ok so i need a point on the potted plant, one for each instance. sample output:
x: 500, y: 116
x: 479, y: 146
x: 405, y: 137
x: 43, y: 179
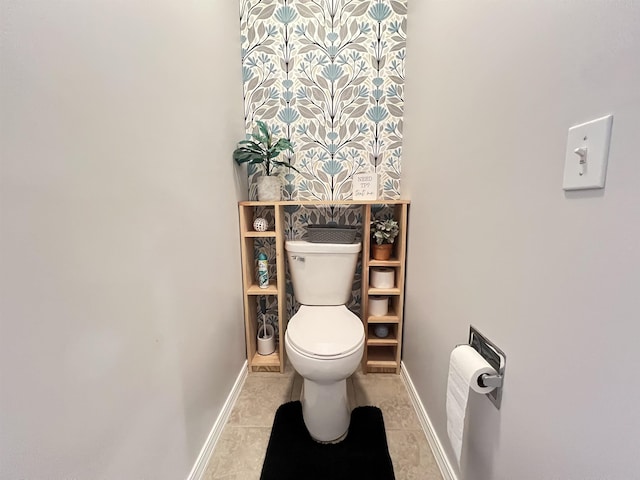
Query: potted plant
x: 383, y: 234
x: 261, y: 148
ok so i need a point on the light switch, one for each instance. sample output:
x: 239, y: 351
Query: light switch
x: 587, y: 154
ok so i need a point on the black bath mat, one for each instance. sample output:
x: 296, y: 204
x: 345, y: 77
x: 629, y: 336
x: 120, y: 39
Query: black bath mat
x: 293, y: 455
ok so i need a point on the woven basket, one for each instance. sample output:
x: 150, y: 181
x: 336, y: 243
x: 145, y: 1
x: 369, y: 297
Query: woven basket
x: 324, y: 233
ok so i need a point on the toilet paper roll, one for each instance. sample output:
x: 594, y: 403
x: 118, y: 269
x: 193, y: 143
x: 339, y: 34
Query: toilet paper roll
x: 466, y: 367
x: 382, y: 277
x: 378, y: 306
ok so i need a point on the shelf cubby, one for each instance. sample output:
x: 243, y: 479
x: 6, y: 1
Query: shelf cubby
x: 389, y: 340
x: 382, y: 359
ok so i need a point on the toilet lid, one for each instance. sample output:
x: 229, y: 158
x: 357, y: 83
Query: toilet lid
x: 325, y: 331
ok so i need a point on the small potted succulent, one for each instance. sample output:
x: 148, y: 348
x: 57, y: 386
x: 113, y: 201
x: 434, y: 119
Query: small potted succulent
x: 261, y: 148
x: 383, y: 234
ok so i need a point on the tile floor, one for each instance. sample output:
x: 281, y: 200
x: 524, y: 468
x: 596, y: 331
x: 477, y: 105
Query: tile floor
x: 240, y: 450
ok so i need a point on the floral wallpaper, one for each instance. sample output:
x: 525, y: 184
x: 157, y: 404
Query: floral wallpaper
x: 329, y: 76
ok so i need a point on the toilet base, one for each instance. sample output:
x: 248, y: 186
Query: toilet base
x: 325, y: 410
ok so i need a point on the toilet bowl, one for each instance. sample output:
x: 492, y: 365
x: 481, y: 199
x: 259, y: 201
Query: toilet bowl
x: 324, y: 340
x: 325, y: 345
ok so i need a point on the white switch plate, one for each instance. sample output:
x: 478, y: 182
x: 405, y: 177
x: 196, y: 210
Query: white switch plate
x: 594, y: 137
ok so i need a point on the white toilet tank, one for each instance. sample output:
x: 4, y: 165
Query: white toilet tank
x: 322, y: 273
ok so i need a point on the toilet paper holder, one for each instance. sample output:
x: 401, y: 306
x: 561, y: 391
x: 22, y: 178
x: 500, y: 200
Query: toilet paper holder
x: 494, y: 357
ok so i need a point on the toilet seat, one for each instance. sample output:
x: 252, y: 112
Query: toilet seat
x: 325, y: 332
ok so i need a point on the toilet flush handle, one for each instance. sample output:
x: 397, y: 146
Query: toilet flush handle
x: 297, y: 258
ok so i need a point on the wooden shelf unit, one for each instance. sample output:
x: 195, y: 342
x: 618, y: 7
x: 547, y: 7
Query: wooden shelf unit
x: 381, y: 354
x: 276, y: 288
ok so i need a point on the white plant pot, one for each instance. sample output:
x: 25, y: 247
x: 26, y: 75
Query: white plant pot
x: 267, y: 344
x: 269, y: 188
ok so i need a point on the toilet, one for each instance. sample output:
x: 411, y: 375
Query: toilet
x: 324, y: 340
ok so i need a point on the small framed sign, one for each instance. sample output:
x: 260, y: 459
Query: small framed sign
x: 365, y: 186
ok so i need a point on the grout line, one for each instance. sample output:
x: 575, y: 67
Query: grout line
x: 248, y: 426
x: 417, y: 429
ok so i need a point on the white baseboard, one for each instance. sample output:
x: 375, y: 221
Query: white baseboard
x: 432, y: 438
x: 199, y: 467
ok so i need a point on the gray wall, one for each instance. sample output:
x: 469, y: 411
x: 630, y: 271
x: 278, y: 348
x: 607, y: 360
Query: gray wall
x: 552, y: 278
x: 121, y: 331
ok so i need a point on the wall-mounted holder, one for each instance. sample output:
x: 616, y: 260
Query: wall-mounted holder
x: 496, y: 358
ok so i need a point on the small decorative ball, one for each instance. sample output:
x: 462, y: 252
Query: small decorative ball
x: 381, y: 331
x: 260, y: 224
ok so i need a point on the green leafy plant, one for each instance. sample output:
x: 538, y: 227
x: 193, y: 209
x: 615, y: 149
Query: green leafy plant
x: 384, y: 231
x: 263, y: 149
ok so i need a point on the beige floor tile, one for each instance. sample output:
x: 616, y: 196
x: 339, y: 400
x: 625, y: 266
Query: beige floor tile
x: 244, y: 475
x: 411, y: 456
x: 388, y: 393
x: 259, y: 399
x: 239, y: 454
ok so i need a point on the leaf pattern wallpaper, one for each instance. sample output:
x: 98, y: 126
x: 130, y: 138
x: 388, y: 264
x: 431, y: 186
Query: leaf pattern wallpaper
x: 329, y: 76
